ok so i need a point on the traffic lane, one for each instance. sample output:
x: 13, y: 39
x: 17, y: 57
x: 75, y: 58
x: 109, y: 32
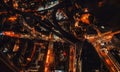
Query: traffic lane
x: 49, y: 57
x: 72, y: 60
x: 42, y: 58
x: 104, y: 56
x: 115, y: 53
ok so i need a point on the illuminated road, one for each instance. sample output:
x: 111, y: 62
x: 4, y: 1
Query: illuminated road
x: 50, y: 56
x: 72, y: 59
x: 24, y: 36
x: 103, y: 52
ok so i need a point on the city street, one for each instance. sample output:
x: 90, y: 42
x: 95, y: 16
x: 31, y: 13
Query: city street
x: 59, y: 36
